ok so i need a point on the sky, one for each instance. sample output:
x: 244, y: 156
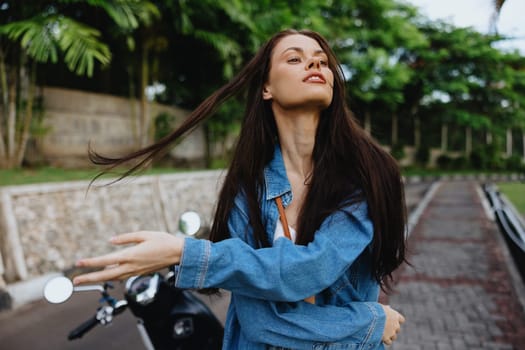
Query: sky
x: 477, y: 14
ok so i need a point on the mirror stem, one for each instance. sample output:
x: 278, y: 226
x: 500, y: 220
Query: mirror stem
x: 88, y: 288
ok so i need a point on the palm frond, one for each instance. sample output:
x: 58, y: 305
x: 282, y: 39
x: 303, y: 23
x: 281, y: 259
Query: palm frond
x: 36, y: 36
x: 81, y: 47
x: 128, y: 14
x: 44, y: 37
x: 225, y: 46
x: 228, y: 49
x: 234, y: 10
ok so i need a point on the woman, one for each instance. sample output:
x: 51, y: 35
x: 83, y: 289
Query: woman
x: 342, y: 197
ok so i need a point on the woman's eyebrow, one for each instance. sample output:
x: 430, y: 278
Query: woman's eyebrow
x: 293, y: 48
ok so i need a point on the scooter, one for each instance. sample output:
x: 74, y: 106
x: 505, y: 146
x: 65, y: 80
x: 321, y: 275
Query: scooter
x: 167, y: 317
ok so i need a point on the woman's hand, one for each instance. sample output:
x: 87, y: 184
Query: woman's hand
x: 152, y: 251
x: 392, y: 324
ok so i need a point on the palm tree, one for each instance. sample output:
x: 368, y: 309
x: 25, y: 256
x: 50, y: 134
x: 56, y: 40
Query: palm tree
x: 41, y: 34
x: 498, y: 4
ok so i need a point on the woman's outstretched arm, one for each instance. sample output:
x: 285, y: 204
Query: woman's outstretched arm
x: 284, y: 272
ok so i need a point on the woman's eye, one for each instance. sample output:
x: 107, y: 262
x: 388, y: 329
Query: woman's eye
x: 294, y: 60
x: 324, y: 63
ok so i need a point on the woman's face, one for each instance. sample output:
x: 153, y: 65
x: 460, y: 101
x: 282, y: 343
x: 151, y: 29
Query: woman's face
x: 299, y: 75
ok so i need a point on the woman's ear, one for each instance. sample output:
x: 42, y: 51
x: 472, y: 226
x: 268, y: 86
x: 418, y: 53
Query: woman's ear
x: 267, y: 95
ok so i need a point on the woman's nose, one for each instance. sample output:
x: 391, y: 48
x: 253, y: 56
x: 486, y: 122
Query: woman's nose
x: 314, y: 62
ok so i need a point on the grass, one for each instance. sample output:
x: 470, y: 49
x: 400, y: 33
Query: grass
x: 51, y: 174
x: 515, y: 192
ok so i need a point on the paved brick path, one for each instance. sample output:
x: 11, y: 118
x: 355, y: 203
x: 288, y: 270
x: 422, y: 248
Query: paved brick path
x: 459, y: 293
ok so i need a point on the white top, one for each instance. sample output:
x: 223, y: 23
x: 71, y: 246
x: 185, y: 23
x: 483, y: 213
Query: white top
x: 279, y: 232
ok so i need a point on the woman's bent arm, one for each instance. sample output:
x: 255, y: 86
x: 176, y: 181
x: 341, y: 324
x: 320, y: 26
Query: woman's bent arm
x: 284, y: 272
x: 291, y: 324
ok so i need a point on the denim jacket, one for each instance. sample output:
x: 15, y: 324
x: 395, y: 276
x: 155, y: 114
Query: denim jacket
x: 268, y: 285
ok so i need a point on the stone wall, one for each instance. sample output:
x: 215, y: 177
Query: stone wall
x: 46, y: 228
x: 74, y: 118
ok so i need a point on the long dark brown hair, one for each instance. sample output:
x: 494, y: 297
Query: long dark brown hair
x: 346, y: 161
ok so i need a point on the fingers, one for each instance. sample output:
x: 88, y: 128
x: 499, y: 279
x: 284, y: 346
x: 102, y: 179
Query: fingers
x: 100, y: 261
x: 127, y: 238
x: 113, y: 258
x: 150, y: 252
x: 102, y: 275
x: 394, y: 320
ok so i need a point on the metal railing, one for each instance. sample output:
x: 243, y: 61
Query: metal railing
x: 510, y: 223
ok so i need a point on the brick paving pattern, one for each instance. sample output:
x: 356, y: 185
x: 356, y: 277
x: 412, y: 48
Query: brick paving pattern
x: 458, y: 293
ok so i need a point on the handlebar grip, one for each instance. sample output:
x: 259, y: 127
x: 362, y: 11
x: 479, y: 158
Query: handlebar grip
x: 83, y: 328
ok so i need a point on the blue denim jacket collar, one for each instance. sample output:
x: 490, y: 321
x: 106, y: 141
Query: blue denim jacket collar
x: 277, y: 183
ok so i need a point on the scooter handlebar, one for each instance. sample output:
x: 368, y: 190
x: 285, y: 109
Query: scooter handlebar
x: 83, y: 328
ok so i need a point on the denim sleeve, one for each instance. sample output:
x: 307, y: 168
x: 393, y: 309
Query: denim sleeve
x: 284, y: 272
x: 358, y: 325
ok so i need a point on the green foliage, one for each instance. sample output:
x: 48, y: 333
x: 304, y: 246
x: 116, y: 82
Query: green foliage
x: 44, y: 32
x: 81, y: 47
x: 487, y: 157
x: 482, y: 158
x: 226, y: 120
x: 515, y: 163
x: 371, y: 42
x: 13, y: 177
x: 422, y: 155
x: 229, y: 50
x: 398, y: 151
x: 127, y: 14
x: 164, y: 124
x: 460, y: 163
x: 224, y: 26
x: 463, y: 80
x: 44, y: 37
x: 394, y: 60
x: 444, y: 162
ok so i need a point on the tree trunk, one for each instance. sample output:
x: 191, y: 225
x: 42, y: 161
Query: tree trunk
x: 509, y: 142
x: 11, y: 122
x: 4, y: 111
x: 208, y: 146
x: 26, y: 126
x: 417, y: 126
x: 368, y: 122
x: 444, y: 137
x: 523, y: 143
x: 144, y: 113
x: 135, y: 122
x: 417, y: 132
x: 395, y: 135
x: 489, y: 137
x: 468, y: 141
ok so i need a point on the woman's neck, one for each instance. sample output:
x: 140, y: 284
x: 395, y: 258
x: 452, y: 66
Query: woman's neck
x: 297, y: 131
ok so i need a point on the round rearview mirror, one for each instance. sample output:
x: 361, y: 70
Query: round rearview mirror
x: 58, y: 290
x: 189, y: 223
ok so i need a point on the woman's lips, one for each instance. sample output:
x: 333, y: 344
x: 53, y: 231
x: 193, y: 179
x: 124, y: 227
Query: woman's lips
x: 315, y: 78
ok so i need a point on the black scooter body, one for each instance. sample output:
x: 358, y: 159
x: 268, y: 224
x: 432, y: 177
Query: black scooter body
x: 188, y: 325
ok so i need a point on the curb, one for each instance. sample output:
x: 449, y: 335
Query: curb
x: 415, y: 215
x: 465, y: 177
x: 30, y: 290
